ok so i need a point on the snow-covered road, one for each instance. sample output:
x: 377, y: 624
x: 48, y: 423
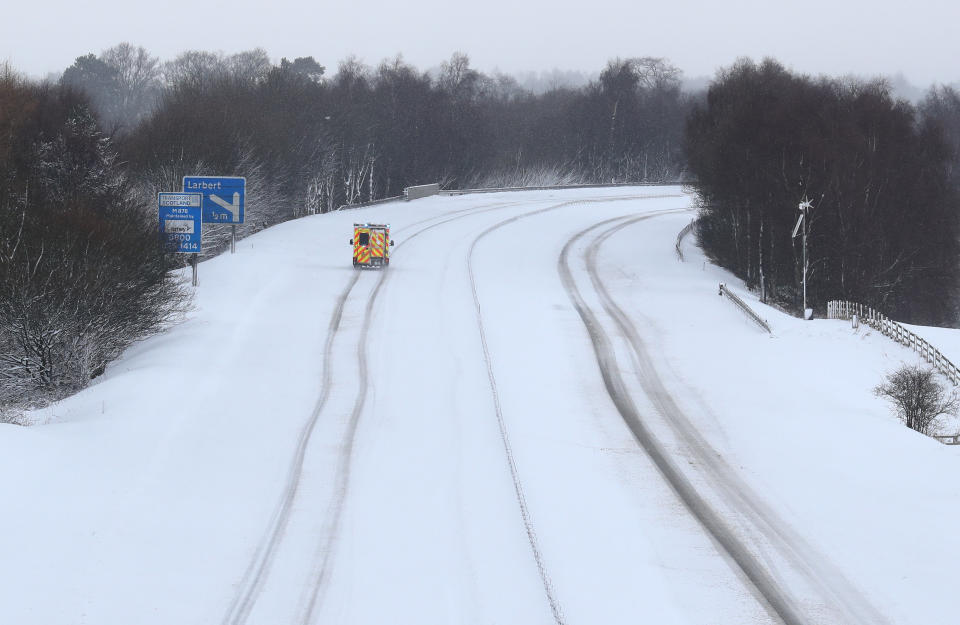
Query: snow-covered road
x: 537, y: 414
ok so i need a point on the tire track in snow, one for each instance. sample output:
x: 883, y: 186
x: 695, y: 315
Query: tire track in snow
x: 319, y: 583
x: 535, y: 549
x: 789, y: 545
x: 251, y: 583
x: 258, y: 570
x: 770, y: 594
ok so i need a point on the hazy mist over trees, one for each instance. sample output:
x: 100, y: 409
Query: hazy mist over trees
x: 82, y: 159
x: 321, y: 141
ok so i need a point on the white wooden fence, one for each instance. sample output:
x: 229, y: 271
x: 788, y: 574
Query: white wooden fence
x: 839, y: 309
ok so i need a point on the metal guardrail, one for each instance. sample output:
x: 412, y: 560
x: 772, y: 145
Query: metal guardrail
x: 724, y: 290
x: 371, y: 203
x: 411, y: 193
x: 841, y: 309
x: 686, y: 230
x: 560, y: 187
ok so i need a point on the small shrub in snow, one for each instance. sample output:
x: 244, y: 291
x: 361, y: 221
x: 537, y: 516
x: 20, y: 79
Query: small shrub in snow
x: 917, y: 396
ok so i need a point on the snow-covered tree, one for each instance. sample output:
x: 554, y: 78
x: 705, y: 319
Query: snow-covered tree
x: 81, y: 269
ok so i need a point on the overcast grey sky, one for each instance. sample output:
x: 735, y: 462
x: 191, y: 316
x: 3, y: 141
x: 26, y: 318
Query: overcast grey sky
x: 921, y: 39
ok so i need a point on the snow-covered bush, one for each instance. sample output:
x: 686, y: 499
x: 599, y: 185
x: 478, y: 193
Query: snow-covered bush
x: 917, y: 397
x: 82, y: 274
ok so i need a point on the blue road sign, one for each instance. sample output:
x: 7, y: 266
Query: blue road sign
x: 223, y: 197
x: 181, y: 225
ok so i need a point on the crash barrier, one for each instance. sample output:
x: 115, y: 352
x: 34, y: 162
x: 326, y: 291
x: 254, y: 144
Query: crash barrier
x: 724, y: 290
x: 559, y: 187
x: 371, y: 203
x: 419, y: 191
x: 840, y: 309
x: 953, y: 439
x: 411, y: 193
x: 686, y: 230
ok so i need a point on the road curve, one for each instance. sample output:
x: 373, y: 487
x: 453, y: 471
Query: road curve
x: 791, y: 550
x: 525, y: 514
x: 698, y: 507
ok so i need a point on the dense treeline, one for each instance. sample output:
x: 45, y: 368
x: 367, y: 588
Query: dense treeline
x: 81, y: 273
x: 365, y: 133
x: 881, y: 177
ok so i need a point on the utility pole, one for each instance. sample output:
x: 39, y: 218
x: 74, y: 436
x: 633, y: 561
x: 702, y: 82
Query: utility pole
x: 804, y: 207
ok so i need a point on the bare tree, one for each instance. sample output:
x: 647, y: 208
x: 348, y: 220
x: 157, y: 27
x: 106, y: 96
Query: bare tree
x: 193, y: 67
x: 917, y: 397
x: 137, y: 76
x: 249, y: 65
x: 458, y: 79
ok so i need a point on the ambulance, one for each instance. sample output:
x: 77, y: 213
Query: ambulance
x: 371, y: 245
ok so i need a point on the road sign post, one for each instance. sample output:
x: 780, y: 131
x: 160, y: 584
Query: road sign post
x: 181, y: 224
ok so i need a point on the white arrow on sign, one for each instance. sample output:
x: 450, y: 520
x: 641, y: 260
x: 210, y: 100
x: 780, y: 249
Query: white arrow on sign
x: 233, y: 208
